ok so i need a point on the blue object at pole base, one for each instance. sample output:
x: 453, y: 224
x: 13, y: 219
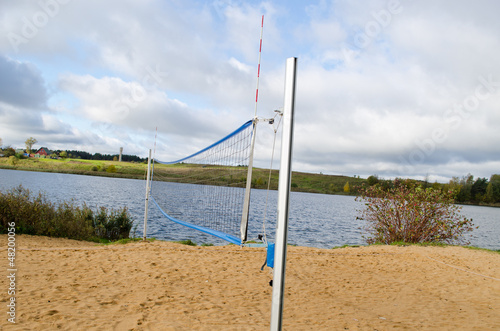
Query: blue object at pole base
x: 270, y: 255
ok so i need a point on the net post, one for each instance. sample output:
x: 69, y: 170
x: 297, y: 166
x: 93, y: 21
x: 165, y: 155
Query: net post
x: 246, y: 201
x: 285, y: 177
x: 147, y: 198
x: 248, y: 188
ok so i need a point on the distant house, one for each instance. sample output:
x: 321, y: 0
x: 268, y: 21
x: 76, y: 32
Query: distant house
x: 43, y: 152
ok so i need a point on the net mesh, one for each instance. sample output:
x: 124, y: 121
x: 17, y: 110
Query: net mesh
x: 206, y: 190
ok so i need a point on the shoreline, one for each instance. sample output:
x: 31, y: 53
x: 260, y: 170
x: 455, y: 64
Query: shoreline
x: 70, y: 284
x: 76, y: 172
x: 142, y: 177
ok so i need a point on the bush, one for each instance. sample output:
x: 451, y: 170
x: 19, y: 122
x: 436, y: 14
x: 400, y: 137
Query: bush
x: 113, y: 226
x: 9, y: 151
x: 111, y: 169
x: 12, y: 160
x: 408, y: 213
x: 35, y: 215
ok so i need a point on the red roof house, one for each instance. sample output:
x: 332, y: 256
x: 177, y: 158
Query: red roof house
x: 43, y: 151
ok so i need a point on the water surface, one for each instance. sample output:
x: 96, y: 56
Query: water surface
x: 315, y: 220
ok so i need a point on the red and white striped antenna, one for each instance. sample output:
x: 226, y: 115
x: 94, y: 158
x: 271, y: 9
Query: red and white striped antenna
x: 258, y: 68
x: 246, y: 203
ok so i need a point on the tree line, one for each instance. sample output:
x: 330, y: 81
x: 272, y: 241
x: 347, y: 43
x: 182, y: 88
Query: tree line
x: 466, y: 189
x: 74, y: 154
x: 479, y: 190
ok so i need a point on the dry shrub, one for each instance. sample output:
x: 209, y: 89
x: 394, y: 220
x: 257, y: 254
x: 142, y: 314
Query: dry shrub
x: 409, y: 213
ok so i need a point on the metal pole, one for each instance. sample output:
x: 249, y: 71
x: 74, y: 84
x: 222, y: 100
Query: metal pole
x: 283, y: 196
x: 147, y: 198
x: 246, y: 202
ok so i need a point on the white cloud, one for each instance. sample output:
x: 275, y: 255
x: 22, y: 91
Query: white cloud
x: 240, y: 66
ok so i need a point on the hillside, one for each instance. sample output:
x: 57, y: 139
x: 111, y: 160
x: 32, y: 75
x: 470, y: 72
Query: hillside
x: 301, y: 182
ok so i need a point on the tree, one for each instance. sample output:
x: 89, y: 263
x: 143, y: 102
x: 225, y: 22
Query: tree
x: 63, y: 154
x: 465, y: 193
x: 478, y: 189
x: 488, y: 197
x: 454, y: 184
x: 495, y: 187
x: 9, y: 151
x: 29, y: 143
x: 1, y: 142
x: 409, y: 213
x: 372, y: 180
x: 437, y: 186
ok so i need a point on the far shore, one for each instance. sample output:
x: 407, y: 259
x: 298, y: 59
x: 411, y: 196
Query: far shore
x: 301, y: 182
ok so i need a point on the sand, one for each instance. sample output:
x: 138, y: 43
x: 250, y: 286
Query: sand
x: 70, y: 285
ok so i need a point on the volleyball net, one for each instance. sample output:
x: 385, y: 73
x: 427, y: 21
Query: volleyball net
x: 207, y: 191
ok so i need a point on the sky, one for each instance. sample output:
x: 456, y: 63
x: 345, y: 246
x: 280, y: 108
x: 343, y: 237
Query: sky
x: 396, y: 88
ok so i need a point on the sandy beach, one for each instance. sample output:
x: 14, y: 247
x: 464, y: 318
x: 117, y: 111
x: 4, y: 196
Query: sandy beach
x: 70, y: 285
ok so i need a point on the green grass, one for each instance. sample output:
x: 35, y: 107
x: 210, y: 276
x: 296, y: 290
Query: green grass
x: 346, y: 246
x: 435, y: 244
x: 423, y: 244
x: 483, y: 249
x: 79, y: 167
x: 404, y: 244
x: 427, y: 244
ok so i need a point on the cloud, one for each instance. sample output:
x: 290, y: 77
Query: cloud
x: 116, y: 107
x: 21, y: 84
x: 130, y: 104
x: 386, y: 87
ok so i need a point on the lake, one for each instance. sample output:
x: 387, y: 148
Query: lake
x: 315, y: 220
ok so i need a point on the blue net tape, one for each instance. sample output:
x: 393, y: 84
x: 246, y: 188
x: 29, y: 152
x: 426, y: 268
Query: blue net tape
x: 241, y: 128
x: 219, y: 234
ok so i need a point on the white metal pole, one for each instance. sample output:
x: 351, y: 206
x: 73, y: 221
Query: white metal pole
x: 147, y: 198
x: 284, y: 184
x: 246, y: 202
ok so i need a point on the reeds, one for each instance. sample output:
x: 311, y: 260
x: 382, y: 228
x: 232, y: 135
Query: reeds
x: 36, y: 215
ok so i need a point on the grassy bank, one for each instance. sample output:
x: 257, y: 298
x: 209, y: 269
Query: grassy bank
x: 301, y: 182
x: 77, y: 166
